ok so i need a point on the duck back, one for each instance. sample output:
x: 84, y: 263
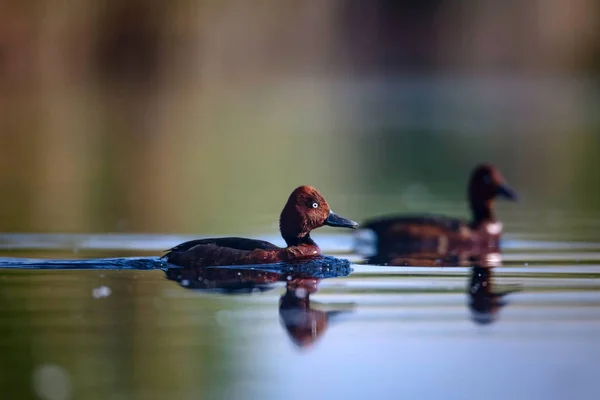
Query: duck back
x: 424, y: 236
x: 222, y: 251
x: 409, y: 234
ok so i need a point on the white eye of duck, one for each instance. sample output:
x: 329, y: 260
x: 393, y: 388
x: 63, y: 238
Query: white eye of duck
x: 315, y: 205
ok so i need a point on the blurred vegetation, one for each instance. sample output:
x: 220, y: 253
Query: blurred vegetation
x: 202, y: 116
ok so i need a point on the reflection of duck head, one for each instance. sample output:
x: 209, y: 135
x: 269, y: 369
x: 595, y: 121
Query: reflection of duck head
x: 303, y: 323
x: 484, y: 303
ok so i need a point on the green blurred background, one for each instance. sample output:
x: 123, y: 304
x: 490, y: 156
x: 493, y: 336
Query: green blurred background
x: 201, y: 116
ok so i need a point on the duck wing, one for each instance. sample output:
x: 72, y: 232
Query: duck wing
x: 424, y: 225
x: 221, y: 251
x: 419, y: 236
x: 236, y: 243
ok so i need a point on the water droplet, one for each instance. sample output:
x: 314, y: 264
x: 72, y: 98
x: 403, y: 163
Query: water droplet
x: 52, y: 382
x: 185, y: 282
x: 100, y: 292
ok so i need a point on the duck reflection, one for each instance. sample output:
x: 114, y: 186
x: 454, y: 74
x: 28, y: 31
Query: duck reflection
x: 227, y: 280
x: 489, y: 257
x: 303, y: 320
x: 485, y: 303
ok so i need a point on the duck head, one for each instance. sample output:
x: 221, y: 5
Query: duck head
x: 485, y: 185
x: 305, y: 210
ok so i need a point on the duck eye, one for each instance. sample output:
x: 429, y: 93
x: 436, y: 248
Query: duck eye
x: 487, y: 180
x: 315, y: 205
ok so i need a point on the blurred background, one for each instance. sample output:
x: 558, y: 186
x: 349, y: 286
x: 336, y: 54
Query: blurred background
x: 199, y: 116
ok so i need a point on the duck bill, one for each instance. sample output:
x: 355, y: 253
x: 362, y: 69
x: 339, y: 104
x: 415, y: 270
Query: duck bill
x: 506, y: 192
x: 335, y: 220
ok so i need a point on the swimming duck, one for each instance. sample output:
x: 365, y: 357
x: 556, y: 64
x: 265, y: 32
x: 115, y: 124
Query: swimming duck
x: 444, y: 236
x: 305, y: 210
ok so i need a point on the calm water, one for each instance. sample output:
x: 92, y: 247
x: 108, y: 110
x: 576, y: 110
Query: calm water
x: 350, y: 331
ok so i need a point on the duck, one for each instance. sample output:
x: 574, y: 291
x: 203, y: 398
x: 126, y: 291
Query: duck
x: 305, y: 210
x: 437, y: 235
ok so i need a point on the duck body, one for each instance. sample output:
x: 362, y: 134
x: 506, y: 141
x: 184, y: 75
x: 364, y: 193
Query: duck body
x: 429, y: 234
x: 305, y: 210
x: 436, y: 236
x: 235, y: 251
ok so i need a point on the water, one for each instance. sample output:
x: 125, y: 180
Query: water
x: 136, y: 330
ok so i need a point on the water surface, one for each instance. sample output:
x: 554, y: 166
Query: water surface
x: 133, y: 331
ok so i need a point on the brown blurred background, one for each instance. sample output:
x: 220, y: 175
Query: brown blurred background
x: 202, y: 116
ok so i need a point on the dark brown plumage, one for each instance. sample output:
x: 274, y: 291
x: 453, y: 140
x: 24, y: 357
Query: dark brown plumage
x: 439, y: 235
x: 305, y: 210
